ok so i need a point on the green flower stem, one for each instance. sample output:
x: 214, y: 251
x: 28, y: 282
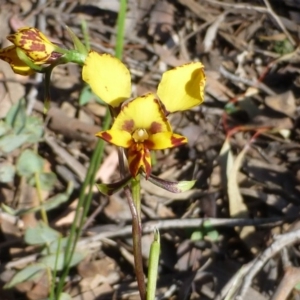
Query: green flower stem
x: 153, y: 266
x: 83, y: 206
x: 121, y: 29
x: 52, y: 286
x: 137, y: 238
x: 136, y: 194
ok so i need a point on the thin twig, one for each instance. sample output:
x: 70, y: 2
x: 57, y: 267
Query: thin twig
x: 277, y: 19
x: 280, y: 242
x: 161, y: 225
x: 253, y: 83
x: 290, y: 279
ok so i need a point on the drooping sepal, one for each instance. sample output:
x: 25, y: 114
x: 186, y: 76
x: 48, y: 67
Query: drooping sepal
x: 171, y: 186
x: 111, y: 188
x: 78, y: 45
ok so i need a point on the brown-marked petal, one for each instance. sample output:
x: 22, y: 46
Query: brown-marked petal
x: 164, y: 140
x: 116, y: 137
x: 142, y: 113
x: 34, y: 43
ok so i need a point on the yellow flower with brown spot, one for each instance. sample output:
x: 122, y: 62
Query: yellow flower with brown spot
x: 36, y: 47
x: 142, y: 125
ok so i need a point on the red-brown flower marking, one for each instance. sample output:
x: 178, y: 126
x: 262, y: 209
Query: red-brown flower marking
x: 139, y: 157
x: 177, y: 141
x: 155, y: 127
x: 106, y: 136
x: 128, y: 125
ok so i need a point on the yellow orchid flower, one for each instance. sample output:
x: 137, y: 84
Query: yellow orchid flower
x: 141, y: 125
x: 34, y: 44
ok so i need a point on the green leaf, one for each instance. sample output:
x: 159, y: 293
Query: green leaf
x: 34, y: 129
x: 8, y: 209
x: 52, y: 259
x: 230, y: 108
x: 85, y: 96
x: 56, y: 201
x: 213, y: 235
x: 210, y: 231
x: 4, y: 128
x: 51, y: 203
x: 47, y: 180
x: 53, y: 247
x: 29, y: 163
x: 197, y: 235
x: 41, y: 234
x: 297, y: 286
x: 16, y: 116
x: 10, y: 142
x: 28, y: 273
x: 17, y: 119
x: 7, y: 172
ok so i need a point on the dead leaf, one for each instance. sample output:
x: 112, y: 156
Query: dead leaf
x: 284, y: 103
x: 212, y: 32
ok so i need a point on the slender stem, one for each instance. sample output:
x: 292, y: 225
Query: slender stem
x: 52, y: 287
x: 121, y: 28
x: 136, y: 194
x: 137, y: 245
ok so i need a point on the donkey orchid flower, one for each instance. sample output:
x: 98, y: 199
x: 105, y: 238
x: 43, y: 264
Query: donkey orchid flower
x: 34, y: 44
x: 142, y: 125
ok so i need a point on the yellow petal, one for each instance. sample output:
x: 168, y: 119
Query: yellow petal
x: 34, y: 43
x: 164, y: 140
x: 116, y: 137
x: 9, y: 55
x: 139, y: 157
x: 183, y: 87
x: 142, y: 113
x: 108, y: 77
